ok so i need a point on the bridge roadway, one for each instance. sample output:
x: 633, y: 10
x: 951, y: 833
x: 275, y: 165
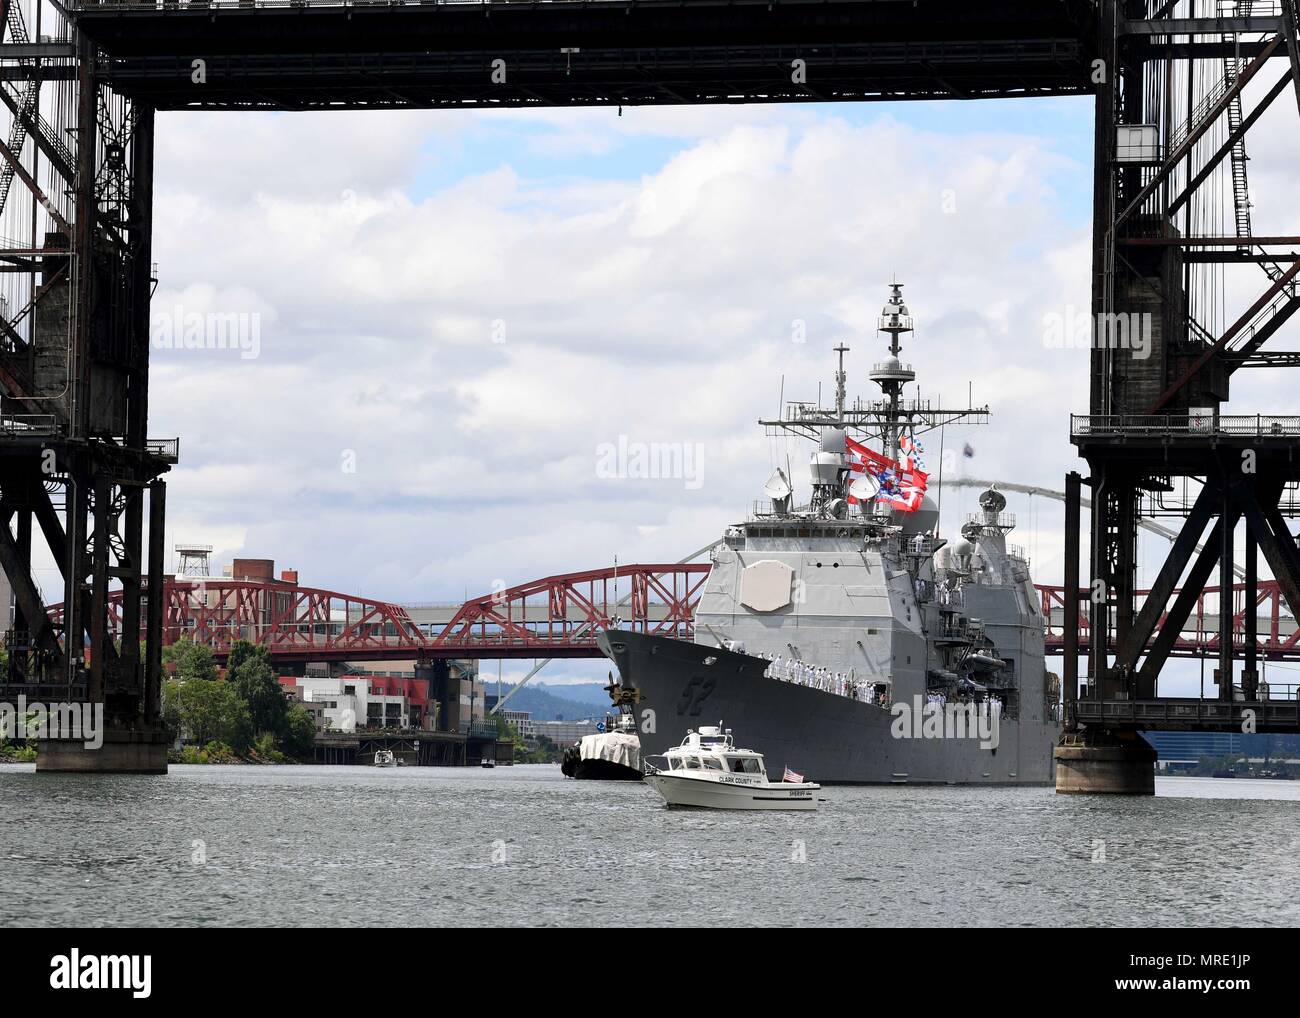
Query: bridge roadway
x: 344, y: 53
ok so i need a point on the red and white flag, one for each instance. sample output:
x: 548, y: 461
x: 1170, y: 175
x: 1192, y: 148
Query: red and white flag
x: 792, y: 776
x: 908, y: 493
x: 865, y: 459
x: 903, y: 484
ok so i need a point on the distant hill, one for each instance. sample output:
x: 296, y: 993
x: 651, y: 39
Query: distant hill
x: 583, y: 692
x: 549, y: 703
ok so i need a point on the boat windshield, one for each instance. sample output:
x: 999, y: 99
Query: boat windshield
x: 744, y: 764
x: 712, y: 763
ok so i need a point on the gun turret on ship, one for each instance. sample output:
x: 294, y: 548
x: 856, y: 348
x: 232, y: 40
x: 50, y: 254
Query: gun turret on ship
x: 843, y: 635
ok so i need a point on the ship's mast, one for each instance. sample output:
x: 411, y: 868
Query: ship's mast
x: 883, y: 419
x: 892, y: 374
x: 840, y: 378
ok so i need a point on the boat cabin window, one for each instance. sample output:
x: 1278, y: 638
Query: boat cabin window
x: 674, y: 763
x: 692, y: 763
x: 712, y: 764
x: 744, y: 764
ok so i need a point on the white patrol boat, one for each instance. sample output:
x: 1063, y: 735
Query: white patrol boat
x: 708, y: 771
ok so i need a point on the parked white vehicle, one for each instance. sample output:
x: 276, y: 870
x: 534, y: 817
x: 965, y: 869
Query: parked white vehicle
x: 708, y: 771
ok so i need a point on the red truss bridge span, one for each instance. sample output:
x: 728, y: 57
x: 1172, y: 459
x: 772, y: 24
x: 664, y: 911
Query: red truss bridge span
x: 557, y: 616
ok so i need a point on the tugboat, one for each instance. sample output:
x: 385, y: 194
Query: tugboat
x: 841, y: 632
x: 707, y: 771
x: 611, y: 755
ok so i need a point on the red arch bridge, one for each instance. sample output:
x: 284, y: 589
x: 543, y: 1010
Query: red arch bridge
x: 559, y: 616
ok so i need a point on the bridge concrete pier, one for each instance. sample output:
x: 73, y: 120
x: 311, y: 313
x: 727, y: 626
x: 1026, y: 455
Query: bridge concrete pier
x: 124, y: 751
x: 1104, y: 763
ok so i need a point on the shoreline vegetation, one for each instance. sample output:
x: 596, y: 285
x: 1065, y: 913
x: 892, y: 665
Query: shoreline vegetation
x: 13, y: 752
x: 544, y: 751
x: 241, y: 717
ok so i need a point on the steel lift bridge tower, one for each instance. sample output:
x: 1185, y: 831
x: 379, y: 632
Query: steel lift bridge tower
x: 81, y: 82
x: 1178, y: 254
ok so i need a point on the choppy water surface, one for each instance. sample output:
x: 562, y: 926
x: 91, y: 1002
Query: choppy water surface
x: 430, y: 846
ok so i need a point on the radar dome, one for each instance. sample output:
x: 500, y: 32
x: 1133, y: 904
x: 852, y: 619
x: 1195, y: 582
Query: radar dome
x: 824, y: 468
x: 993, y: 501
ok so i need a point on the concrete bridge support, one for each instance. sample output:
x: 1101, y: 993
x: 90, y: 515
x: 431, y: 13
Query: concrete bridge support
x: 123, y: 752
x: 1104, y: 763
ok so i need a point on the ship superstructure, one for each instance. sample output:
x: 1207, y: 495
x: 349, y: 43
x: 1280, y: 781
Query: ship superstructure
x: 834, y: 630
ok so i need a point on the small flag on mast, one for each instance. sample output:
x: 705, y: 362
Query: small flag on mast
x: 792, y: 776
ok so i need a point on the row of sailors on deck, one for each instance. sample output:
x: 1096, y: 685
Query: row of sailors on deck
x: 819, y: 677
x: 938, y: 701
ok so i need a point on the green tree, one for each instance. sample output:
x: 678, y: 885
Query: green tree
x: 171, y: 705
x: 212, y: 711
x: 299, y: 732
x: 241, y: 651
x: 254, y: 680
x: 192, y: 660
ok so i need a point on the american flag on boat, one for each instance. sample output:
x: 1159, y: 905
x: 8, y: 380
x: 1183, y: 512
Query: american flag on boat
x: 790, y: 775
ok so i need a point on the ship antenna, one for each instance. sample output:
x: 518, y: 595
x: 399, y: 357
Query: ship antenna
x: 840, y: 378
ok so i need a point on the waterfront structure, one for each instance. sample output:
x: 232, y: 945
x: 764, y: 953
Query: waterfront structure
x: 522, y: 721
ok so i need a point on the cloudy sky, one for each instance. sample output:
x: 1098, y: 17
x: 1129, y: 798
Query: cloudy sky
x: 455, y: 311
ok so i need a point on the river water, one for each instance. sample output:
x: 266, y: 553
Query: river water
x: 358, y: 846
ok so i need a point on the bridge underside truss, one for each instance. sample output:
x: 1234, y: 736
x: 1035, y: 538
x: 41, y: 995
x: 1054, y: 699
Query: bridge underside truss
x: 409, y: 54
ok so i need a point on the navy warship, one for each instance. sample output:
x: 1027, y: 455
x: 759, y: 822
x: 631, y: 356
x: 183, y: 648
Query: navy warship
x: 842, y: 636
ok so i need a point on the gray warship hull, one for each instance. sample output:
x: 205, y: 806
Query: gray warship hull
x: 823, y: 736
